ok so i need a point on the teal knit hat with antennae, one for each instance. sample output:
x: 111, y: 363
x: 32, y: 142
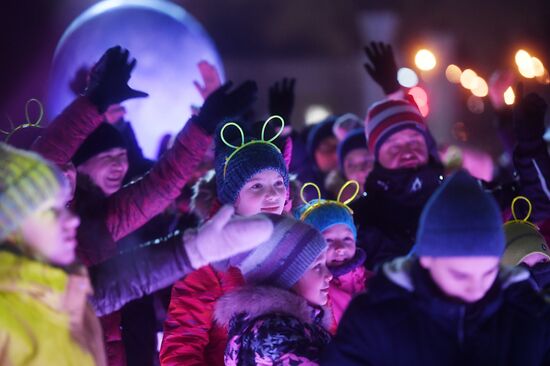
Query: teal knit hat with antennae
x: 237, y: 162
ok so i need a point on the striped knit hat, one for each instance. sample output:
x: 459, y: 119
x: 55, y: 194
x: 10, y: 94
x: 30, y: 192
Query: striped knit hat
x: 285, y: 257
x: 390, y: 116
x: 26, y: 182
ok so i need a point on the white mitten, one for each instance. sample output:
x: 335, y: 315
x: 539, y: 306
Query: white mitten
x: 224, y: 236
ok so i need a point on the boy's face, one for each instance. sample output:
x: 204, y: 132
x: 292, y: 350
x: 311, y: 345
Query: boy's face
x: 326, y: 156
x: 404, y: 149
x: 341, y: 244
x: 314, y: 284
x: 466, y: 278
x: 263, y: 192
x: 51, y: 231
x: 107, y: 169
x: 358, y: 164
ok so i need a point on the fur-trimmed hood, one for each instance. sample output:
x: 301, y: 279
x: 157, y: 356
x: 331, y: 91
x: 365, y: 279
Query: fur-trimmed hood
x: 261, y: 300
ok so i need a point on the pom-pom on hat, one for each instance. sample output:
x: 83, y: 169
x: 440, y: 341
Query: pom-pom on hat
x: 236, y: 164
x: 460, y: 220
x: 27, y: 181
x: 389, y: 116
x: 283, y: 259
x: 323, y: 214
x: 522, y: 238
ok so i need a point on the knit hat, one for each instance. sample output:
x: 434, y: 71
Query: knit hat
x: 238, y: 160
x: 354, y: 140
x: 318, y: 133
x: 522, y: 238
x: 104, y: 138
x: 283, y: 259
x: 323, y: 214
x: 460, y: 220
x: 26, y: 182
x: 390, y: 116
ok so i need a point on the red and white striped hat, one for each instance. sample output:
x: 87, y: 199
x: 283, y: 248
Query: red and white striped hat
x: 390, y: 116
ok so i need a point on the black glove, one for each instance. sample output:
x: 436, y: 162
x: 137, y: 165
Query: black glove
x: 109, y: 77
x: 382, y: 67
x: 223, y: 104
x: 529, y: 116
x: 281, y: 98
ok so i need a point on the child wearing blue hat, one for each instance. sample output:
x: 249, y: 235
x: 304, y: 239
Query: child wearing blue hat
x: 345, y: 261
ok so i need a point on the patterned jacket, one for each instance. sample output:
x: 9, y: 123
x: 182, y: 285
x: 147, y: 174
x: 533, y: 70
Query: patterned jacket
x: 272, y: 326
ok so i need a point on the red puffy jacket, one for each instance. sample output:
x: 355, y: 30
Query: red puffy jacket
x: 190, y: 335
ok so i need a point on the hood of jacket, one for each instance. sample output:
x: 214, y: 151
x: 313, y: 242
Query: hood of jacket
x: 256, y: 301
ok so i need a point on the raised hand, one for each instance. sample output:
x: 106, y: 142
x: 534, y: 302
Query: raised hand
x: 108, y: 82
x: 210, y: 79
x: 281, y: 98
x: 382, y: 67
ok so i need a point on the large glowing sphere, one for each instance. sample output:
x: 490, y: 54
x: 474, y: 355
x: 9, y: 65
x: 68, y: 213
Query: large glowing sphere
x: 167, y: 42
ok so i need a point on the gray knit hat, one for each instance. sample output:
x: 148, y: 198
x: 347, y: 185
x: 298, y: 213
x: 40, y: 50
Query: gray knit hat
x: 285, y: 257
x: 26, y: 182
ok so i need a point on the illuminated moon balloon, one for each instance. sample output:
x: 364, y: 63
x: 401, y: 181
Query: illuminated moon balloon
x: 167, y: 42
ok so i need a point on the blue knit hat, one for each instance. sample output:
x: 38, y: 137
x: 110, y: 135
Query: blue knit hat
x: 323, y: 214
x: 237, y: 161
x: 460, y: 220
x: 318, y: 133
x: 283, y: 259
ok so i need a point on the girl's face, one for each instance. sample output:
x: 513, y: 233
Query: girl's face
x: 341, y: 244
x: 263, y: 192
x: 313, y: 286
x: 50, y: 232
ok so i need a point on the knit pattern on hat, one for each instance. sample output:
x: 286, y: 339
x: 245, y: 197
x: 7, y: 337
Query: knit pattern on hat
x: 26, y: 182
x: 460, y: 220
x: 390, y: 116
x: 325, y: 214
x: 232, y: 174
x: 104, y: 138
x: 283, y: 259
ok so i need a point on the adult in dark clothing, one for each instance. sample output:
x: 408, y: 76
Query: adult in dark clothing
x: 453, y: 304
x: 407, y: 168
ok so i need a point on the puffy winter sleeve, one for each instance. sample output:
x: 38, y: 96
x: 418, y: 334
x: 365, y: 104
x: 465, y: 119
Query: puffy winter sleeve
x: 135, y: 204
x: 137, y: 273
x: 65, y: 134
x: 189, y: 319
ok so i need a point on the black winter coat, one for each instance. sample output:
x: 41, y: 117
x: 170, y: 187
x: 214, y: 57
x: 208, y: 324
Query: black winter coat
x: 404, y: 319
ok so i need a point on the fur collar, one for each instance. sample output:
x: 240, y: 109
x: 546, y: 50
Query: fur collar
x: 261, y: 300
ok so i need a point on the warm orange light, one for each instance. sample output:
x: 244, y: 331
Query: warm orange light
x: 509, y: 96
x: 468, y: 79
x: 425, y: 60
x: 538, y: 67
x: 453, y: 73
x: 481, y: 89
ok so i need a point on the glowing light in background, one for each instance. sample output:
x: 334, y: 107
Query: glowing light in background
x: 316, y: 113
x: 407, y: 77
x: 509, y: 96
x: 469, y: 79
x: 544, y: 78
x: 453, y: 73
x: 481, y: 89
x: 421, y: 99
x: 538, y: 67
x: 425, y: 60
x: 528, y: 66
x: 167, y: 42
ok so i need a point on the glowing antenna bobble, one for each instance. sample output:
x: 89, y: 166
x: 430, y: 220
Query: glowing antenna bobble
x: 529, y: 210
x: 243, y: 144
x: 321, y: 202
x: 29, y: 123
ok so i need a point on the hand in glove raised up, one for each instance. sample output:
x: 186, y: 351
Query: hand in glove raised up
x: 108, y: 82
x: 529, y: 114
x: 281, y: 98
x: 223, y: 104
x: 382, y: 67
x: 224, y: 236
